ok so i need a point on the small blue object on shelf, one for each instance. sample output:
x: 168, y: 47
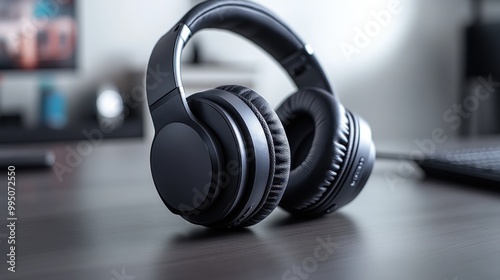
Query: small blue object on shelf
x: 54, y: 113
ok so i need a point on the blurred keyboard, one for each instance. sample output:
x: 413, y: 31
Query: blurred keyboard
x: 471, y: 165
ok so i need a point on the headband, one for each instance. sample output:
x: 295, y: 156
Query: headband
x: 242, y: 17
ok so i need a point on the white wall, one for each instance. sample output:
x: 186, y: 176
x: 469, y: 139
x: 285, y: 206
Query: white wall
x: 114, y: 34
x: 402, y: 82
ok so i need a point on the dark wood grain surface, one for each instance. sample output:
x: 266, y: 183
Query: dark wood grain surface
x: 105, y: 221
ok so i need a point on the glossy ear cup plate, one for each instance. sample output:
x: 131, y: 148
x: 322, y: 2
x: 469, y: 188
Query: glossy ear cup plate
x: 278, y: 149
x: 318, y: 131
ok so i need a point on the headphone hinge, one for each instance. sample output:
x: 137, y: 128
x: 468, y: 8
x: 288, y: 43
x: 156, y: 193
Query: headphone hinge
x: 298, y: 63
x: 305, y: 70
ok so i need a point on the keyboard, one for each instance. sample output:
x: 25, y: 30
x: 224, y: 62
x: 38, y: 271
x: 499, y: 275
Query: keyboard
x: 479, y: 166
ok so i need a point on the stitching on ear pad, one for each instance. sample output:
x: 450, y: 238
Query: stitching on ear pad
x: 318, y: 132
x: 278, y: 146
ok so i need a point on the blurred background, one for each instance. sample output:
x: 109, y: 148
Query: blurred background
x: 72, y: 73
x: 70, y: 66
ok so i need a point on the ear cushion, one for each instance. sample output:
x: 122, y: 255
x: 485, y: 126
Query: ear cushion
x: 317, y: 128
x: 278, y: 149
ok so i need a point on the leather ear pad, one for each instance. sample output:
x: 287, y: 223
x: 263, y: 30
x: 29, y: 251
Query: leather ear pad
x: 278, y: 149
x: 317, y: 128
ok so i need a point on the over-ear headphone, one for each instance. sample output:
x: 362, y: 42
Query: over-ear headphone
x: 224, y: 158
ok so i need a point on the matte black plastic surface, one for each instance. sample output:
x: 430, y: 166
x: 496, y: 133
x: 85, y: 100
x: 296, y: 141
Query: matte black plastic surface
x: 182, y: 169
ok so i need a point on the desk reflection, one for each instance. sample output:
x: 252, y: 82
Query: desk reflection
x: 268, y: 251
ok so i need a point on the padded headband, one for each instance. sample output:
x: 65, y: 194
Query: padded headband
x: 242, y: 17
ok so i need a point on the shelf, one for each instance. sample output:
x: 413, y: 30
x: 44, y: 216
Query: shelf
x: 15, y: 135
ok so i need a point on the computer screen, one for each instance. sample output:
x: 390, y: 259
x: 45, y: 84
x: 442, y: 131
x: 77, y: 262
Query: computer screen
x: 38, y: 34
x: 482, y: 50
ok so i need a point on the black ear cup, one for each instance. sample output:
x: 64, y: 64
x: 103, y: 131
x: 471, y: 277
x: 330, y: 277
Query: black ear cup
x: 319, y: 134
x: 278, y: 149
x: 254, y: 159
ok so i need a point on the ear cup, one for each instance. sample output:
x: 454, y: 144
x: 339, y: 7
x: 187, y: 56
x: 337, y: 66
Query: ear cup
x: 318, y: 131
x: 278, y: 148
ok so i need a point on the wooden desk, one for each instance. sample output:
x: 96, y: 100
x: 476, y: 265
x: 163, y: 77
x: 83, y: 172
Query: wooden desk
x: 105, y: 221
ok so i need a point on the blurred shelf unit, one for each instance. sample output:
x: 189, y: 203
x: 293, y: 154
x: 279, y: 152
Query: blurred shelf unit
x: 78, y: 113
x: 13, y: 135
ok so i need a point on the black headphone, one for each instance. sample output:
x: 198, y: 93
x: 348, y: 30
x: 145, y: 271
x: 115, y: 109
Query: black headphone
x: 223, y: 158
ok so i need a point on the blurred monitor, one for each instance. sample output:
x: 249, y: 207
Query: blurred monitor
x: 482, y: 59
x: 483, y: 50
x: 38, y: 34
